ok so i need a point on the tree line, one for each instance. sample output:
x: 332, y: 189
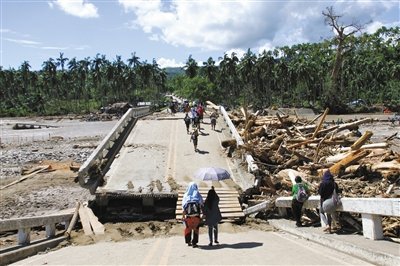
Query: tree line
x: 303, y: 75
x: 330, y: 73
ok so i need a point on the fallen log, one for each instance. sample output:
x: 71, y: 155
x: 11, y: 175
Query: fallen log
x: 320, y: 123
x: 284, y: 125
x: 228, y: 143
x: 392, y: 165
x: 364, y: 138
x: 381, y: 145
x: 351, y: 158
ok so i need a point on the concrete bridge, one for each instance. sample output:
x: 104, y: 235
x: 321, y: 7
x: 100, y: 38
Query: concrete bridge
x: 140, y: 168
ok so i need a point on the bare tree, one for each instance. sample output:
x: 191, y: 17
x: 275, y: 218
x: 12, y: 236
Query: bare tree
x: 342, y: 33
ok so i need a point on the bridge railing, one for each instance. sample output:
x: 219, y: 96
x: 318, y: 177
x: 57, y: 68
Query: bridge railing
x: 98, y: 156
x: 251, y: 165
x: 24, y: 225
x: 371, y: 210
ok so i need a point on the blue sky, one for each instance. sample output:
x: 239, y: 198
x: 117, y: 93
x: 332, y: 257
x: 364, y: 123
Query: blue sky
x: 169, y: 31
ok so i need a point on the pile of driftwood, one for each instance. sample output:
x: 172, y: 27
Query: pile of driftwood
x: 280, y: 142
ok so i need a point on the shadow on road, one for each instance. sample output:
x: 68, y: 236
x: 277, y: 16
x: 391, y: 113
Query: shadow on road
x: 202, y: 152
x: 242, y: 245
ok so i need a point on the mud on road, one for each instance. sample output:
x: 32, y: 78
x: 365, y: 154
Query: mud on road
x: 71, y: 143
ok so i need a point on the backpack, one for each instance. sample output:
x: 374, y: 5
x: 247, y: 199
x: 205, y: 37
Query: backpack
x: 301, y: 195
x: 192, y: 209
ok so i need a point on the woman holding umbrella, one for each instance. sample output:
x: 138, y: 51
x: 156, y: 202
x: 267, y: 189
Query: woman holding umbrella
x: 192, y: 203
x: 212, y: 214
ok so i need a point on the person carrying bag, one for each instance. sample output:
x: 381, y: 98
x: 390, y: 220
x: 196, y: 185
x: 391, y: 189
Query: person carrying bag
x: 330, y: 200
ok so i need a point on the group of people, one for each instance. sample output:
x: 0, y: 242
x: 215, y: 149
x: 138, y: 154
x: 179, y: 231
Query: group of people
x: 328, y: 190
x: 195, y: 209
x: 193, y: 117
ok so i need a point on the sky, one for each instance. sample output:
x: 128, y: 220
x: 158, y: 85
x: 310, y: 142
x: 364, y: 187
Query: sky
x: 169, y: 31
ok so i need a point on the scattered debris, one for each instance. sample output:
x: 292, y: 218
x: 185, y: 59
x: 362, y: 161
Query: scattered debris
x: 38, y: 170
x: 282, y: 142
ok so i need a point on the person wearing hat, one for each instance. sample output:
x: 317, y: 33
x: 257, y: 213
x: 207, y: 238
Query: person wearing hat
x: 300, y: 194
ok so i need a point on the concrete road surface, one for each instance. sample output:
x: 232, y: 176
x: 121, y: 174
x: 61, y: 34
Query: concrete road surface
x: 245, y: 248
x: 157, y: 149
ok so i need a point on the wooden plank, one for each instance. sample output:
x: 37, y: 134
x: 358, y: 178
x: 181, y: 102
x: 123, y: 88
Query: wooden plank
x: 85, y: 221
x: 98, y: 228
x: 224, y: 215
x: 223, y: 210
x: 26, y: 177
x: 229, y: 205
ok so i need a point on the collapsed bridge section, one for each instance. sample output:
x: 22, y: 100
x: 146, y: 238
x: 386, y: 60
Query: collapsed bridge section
x: 152, y: 164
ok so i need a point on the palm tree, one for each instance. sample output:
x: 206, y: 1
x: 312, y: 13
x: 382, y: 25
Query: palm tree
x: 61, y: 61
x: 210, y: 69
x: 191, y: 67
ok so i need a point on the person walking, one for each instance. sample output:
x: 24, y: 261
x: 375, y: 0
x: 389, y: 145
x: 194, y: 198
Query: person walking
x: 194, y: 137
x: 212, y: 215
x: 326, y: 189
x: 192, y: 203
x: 187, y: 122
x: 213, y: 118
x: 300, y: 195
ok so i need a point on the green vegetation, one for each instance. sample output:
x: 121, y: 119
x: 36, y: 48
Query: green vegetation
x: 330, y: 74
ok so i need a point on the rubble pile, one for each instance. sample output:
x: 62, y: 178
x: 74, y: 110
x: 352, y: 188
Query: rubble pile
x: 309, y: 147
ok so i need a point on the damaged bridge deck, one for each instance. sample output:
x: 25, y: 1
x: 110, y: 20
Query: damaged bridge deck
x: 157, y: 161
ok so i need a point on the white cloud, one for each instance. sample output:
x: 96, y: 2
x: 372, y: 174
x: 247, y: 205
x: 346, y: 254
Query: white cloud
x: 54, y: 48
x: 224, y: 25
x: 165, y: 62
x: 21, y: 41
x: 78, y: 8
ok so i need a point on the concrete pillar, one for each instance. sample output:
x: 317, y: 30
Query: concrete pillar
x: 372, y: 226
x: 24, y: 236
x: 282, y: 212
x: 50, y: 230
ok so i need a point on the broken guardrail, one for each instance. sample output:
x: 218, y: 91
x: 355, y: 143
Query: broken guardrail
x: 251, y: 165
x: 91, y: 173
x: 24, y: 225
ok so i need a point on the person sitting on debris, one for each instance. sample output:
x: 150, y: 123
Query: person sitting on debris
x: 192, y: 203
x: 326, y: 190
x: 212, y: 215
x: 300, y: 195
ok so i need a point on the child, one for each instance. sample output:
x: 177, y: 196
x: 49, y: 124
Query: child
x: 194, y: 137
x: 213, y: 118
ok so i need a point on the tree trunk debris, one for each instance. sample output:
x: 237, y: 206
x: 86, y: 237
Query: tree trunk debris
x: 282, y: 145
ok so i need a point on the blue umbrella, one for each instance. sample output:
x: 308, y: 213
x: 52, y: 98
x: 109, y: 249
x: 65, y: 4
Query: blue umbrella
x: 212, y: 174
